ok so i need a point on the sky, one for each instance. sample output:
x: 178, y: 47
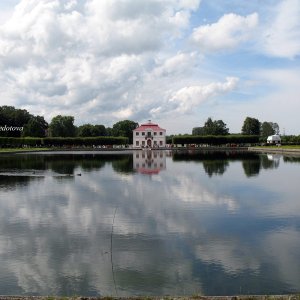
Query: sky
x: 175, y: 62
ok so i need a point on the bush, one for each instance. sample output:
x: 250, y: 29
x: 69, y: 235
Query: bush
x: 216, y: 139
x: 61, y: 141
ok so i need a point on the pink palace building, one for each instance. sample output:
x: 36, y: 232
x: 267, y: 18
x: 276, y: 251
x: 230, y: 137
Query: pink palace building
x: 149, y: 135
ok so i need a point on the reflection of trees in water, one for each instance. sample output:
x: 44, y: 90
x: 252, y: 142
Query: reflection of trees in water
x: 215, y: 167
x: 123, y: 164
x: 202, y: 155
x: 252, y: 167
x: 22, y: 162
x: 216, y: 162
x: 291, y: 159
x: 64, y: 164
x: 12, y: 182
x: 269, y: 161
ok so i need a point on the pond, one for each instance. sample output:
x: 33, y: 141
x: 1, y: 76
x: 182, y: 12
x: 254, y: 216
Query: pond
x: 149, y: 223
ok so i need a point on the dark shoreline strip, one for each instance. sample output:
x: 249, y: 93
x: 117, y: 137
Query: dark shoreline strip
x: 240, y: 297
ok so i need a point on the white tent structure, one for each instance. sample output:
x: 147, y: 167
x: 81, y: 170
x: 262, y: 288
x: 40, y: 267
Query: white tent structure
x: 274, y: 139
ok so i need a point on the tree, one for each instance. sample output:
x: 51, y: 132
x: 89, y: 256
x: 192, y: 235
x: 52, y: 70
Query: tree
x: 220, y: 128
x: 198, y: 131
x: 36, y: 127
x: 88, y: 130
x: 11, y: 116
x: 109, y: 131
x: 275, y: 127
x: 211, y: 128
x: 62, y: 126
x: 124, y: 128
x: 269, y: 128
x: 99, y: 130
x: 266, y: 129
x: 251, y: 126
x: 85, y: 130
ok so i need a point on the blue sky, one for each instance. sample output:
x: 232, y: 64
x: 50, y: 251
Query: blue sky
x: 176, y: 62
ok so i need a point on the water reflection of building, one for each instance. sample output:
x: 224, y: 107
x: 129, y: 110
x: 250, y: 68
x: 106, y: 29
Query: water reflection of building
x: 149, y: 161
x: 275, y: 159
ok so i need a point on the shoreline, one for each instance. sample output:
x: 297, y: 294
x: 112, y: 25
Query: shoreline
x: 195, y: 297
x: 105, y: 150
x: 279, y: 150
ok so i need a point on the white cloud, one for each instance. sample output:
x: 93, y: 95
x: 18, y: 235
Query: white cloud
x: 93, y: 59
x: 281, y: 37
x: 227, y: 33
x: 188, y: 98
x: 178, y: 63
x: 104, y: 60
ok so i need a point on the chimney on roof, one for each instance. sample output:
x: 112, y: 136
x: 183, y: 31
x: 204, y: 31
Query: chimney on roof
x: 149, y: 121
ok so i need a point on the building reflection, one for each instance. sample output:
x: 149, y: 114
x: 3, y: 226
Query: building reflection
x: 149, y: 161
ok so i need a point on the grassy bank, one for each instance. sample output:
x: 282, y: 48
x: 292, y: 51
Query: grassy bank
x: 14, y: 150
x: 285, y: 148
x: 292, y: 150
x: 246, y: 297
x: 280, y: 147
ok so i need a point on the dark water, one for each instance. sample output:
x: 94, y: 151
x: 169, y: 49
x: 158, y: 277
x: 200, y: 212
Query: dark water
x: 149, y: 223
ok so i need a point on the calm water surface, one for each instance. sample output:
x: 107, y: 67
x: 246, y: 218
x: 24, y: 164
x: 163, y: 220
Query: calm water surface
x: 149, y: 223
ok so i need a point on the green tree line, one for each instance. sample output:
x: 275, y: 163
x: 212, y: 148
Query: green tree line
x: 63, y: 126
x: 216, y: 139
x: 20, y: 123
x: 61, y: 141
x: 251, y: 126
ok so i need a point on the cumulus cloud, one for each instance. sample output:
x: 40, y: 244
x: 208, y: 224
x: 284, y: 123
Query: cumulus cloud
x: 175, y: 64
x: 227, y: 33
x: 108, y: 60
x: 188, y: 98
x: 91, y: 59
x: 281, y: 37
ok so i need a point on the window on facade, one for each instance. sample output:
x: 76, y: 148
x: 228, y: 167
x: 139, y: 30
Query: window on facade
x: 155, y: 133
x: 148, y: 133
x: 137, y: 133
x: 143, y: 133
x: 143, y: 143
x: 137, y: 143
x: 160, y: 143
x: 160, y: 133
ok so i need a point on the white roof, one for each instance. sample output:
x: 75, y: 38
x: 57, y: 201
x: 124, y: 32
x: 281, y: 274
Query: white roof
x: 274, y: 137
